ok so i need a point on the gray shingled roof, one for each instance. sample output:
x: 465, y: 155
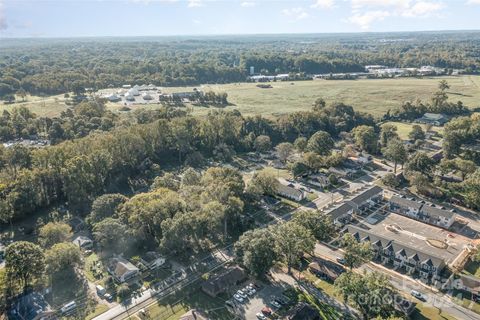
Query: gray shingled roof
x: 281, y: 188
x: 404, y: 202
x: 366, y: 195
x: 340, y: 211
x: 437, y: 212
x: 396, y: 247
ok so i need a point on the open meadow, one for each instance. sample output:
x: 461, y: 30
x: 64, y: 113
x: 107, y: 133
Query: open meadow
x: 375, y: 96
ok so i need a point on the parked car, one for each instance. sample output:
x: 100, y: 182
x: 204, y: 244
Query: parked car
x: 238, y: 298
x: 340, y: 260
x: 242, y: 294
x: 275, y: 304
x: 279, y: 301
x: 250, y: 291
x: 108, y: 297
x: 417, y: 295
x: 100, y: 290
x: 260, y: 316
x: 266, y: 311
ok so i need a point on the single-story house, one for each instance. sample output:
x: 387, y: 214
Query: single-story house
x: 326, y: 269
x: 436, y: 119
x: 152, y: 260
x: 83, y: 242
x: 31, y: 306
x: 290, y: 192
x: 221, y: 282
x: 342, y: 172
x: 319, y: 180
x: 122, y: 270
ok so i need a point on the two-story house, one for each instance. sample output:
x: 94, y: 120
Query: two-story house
x: 399, y: 256
x: 422, y: 212
x: 366, y: 199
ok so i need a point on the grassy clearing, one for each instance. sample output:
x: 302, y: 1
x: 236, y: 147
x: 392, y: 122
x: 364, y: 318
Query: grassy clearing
x: 92, y: 271
x: 174, y: 306
x: 423, y: 312
x: 99, y: 309
x: 42, y: 106
x: 374, y: 96
x: 403, y: 129
x: 327, y: 287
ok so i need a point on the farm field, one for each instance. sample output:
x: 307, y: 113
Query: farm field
x: 374, y: 96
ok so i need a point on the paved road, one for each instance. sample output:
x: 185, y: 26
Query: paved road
x: 406, y: 284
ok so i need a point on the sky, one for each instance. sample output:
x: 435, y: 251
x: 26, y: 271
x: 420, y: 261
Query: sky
x: 86, y: 18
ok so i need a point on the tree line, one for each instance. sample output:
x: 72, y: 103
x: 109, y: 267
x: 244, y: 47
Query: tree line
x: 53, y: 66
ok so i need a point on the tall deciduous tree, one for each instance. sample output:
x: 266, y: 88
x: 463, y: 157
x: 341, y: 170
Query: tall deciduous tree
x: 284, y: 151
x: 417, y: 133
x: 365, y: 138
x: 24, y: 262
x: 387, y: 133
x: 292, y: 241
x: 262, y: 143
x: 371, y: 293
x: 53, y: 233
x: 105, y: 206
x: 255, y: 249
x: 320, y: 142
x: 62, y: 259
x: 395, y: 151
x: 320, y: 225
x: 111, y: 235
x: 356, y: 253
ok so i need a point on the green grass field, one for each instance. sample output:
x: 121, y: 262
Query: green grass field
x: 403, y: 129
x: 374, y: 96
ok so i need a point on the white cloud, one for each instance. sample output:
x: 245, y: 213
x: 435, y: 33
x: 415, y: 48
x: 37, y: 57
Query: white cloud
x: 297, y: 13
x: 248, y: 4
x: 3, y: 19
x: 366, y: 12
x: 423, y: 9
x: 195, y: 3
x: 473, y: 2
x: 357, y: 4
x: 364, y: 20
x: 196, y: 21
x: 323, y: 4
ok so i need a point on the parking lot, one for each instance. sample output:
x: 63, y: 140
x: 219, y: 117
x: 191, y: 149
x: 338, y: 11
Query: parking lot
x: 261, y: 299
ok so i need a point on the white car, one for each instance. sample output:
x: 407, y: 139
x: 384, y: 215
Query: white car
x: 417, y: 295
x: 238, y: 298
x: 260, y: 316
x: 242, y: 294
x: 275, y: 304
x: 251, y: 291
